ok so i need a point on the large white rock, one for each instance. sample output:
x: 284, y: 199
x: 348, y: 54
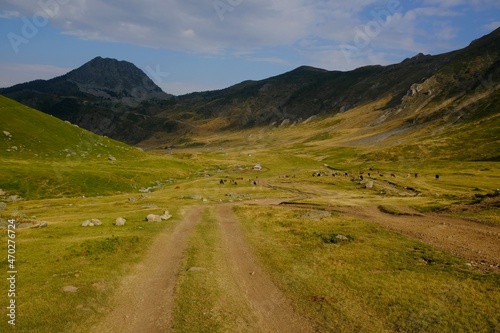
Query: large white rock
x: 166, y: 215
x: 153, y: 218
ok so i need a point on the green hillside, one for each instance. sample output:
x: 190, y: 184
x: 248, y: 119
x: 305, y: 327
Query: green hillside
x: 43, y: 156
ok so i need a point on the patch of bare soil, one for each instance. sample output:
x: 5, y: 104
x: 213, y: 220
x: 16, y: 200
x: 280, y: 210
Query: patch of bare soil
x: 485, y: 203
x: 477, y: 243
x: 272, y: 310
x: 145, y: 300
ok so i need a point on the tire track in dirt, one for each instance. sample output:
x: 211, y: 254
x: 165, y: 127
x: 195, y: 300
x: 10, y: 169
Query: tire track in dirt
x: 270, y: 307
x: 477, y: 243
x: 146, y: 298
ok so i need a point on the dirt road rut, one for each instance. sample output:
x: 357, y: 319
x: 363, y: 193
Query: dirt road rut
x: 145, y: 300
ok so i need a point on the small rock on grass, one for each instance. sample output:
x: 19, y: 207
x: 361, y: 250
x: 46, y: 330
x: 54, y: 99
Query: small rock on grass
x: 40, y: 225
x: 119, y: 222
x: 70, y: 289
x: 196, y: 269
x: 96, y: 222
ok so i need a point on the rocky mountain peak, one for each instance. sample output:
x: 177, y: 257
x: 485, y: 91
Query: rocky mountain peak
x: 116, y: 80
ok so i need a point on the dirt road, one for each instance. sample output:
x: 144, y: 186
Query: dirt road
x: 146, y: 298
x: 478, y: 243
x: 272, y: 309
x: 144, y: 302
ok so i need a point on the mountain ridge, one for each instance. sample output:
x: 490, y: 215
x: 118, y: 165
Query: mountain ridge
x: 411, y: 86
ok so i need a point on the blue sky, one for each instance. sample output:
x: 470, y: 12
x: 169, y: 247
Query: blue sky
x: 188, y: 45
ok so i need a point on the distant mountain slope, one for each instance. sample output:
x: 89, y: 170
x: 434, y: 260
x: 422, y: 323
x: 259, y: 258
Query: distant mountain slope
x: 424, y: 91
x: 308, y: 91
x: 106, y: 96
x: 421, y: 91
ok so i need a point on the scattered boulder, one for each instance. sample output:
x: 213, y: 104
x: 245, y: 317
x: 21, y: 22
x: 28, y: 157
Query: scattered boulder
x: 24, y: 225
x: 196, y: 269
x: 285, y: 122
x: 119, y: 222
x: 40, y: 225
x: 369, y: 184
x: 14, y: 198
x: 70, y: 289
x: 196, y: 197
x: 315, y: 215
x: 166, y: 215
x: 111, y: 158
x: 96, y: 222
x: 151, y: 206
x: 153, y: 218
x: 342, y: 238
x: 3, y: 206
x: 91, y: 223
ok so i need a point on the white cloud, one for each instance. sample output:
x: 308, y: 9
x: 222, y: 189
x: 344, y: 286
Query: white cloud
x: 19, y: 73
x: 274, y: 60
x: 181, y: 88
x: 199, y: 26
x: 491, y: 26
x: 316, y: 29
x: 8, y: 14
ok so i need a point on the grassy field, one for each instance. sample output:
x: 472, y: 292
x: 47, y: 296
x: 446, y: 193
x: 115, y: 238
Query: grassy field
x: 372, y: 279
x: 93, y: 259
x: 44, y: 157
x: 346, y: 274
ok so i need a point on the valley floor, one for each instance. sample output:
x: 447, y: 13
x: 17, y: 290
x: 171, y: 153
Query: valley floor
x: 295, y: 245
x: 248, y: 299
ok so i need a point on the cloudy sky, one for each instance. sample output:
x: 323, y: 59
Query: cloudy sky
x: 196, y: 45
